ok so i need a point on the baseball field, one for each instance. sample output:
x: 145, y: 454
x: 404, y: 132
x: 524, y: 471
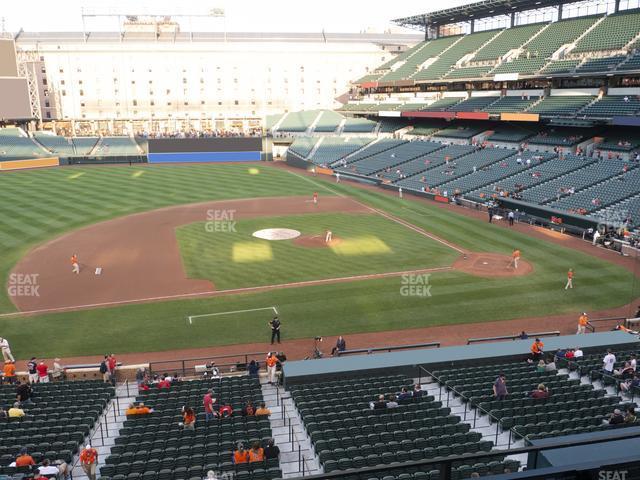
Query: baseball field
x: 180, y: 267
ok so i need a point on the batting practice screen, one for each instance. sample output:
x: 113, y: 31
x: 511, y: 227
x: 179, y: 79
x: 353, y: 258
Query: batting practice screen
x: 184, y: 150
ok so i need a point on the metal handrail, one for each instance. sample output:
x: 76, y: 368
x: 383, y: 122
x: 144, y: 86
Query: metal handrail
x: 183, y: 362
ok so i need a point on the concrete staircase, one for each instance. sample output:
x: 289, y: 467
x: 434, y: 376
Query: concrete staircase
x: 107, y: 428
x: 297, y: 457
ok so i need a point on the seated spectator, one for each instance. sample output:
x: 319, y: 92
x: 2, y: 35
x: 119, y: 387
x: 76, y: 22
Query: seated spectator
x: 379, y: 404
x: 417, y: 391
x: 24, y: 393
x: 253, y: 368
x: 226, y: 411
x: 139, y: 409
x: 616, y: 417
x: 9, y: 372
x: 3, y: 415
x: 240, y: 455
x: 628, y: 384
x: 281, y: 357
x: 188, y: 418
x: 211, y: 371
x: 271, y: 451
x: 37, y: 475
x: 211, y: 475
x: 341, y: 346
x: 256, y: 454
x: 16, y: 411
x: 569, y: 355
x: 541, y: 366
x: 541, y: 392
x: 405, y: 396
x: 625, y: 372
x: 263, y: 410
x: 49, y: 470
x: 577, y: 353
x: 392, y: 403
x: 630, y: 416
x: 248, y: 410
x: 550, y: 366
x: 24, y: 459
x: 58, y: 372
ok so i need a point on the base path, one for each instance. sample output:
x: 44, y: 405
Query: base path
x: 139, y: 254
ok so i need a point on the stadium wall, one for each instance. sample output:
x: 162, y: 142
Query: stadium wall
x: 191, y: 150
x: 32, y: 163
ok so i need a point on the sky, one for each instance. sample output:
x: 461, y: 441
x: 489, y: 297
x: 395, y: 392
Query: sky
x: 240, y: 15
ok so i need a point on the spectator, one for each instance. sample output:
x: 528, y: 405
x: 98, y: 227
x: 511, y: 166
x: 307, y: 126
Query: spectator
x: 271, y: 367
x: 24, y: 459
x: 625, y: 372
x: 541, y: 392
x: 49, y: 470
x: 281, y: 359
x: 225, y: 411
x: 379, y: 404
x: 341, y: 345
x: 633, y: 362
x: 577, y: 353
x: 211, y: 475
x: 104, y: 369
x: 523, y: 335
x: 207, y: 402
x: 163, y: 383
x: 537, y: 350
x: 43, y: 372
x: 58, y: 372
x: 89, y: 461
x: 630, y: 416
x: 550, y: 366
x: 7, y: 356
x: 24, y: 393
x: 140, y: 409
x: 188, y: 418
x: 3, y: 415
x: 271, y: 451
x: 608, y: 363
x: 616, y: 417
x: 570, y: 354
x: 248, y: 410
x: 263, y: 410
x: 141, y: 375
x: 32, y: 371
x: 404, y: 396
x: 500, y: 387
x: 240, y: 455
x: 211, y: 371
x: 631, y: 383
x: 112, y: 363
x: 9, y: 372
x: 392, y: 403
x: 541, y: 366
x: 417, y: 391
x: 253, y: 368
x: 256, y: 454
x: 16, y: 411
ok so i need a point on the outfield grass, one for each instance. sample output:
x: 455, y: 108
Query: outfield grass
x: 370, y: 243
x: 363, y: 306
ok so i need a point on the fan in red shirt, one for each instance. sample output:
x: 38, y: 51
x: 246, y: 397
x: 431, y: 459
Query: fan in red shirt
x: 43, y: 372
x: 164, y: 383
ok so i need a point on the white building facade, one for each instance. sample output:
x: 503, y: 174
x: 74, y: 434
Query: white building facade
x: 121, y: 82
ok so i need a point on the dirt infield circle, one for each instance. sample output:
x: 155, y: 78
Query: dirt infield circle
x: 491, y: 265
x: 316, y: 241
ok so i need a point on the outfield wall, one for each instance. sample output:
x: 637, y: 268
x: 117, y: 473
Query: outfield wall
x: 208, y: 150
x: 31, y: 163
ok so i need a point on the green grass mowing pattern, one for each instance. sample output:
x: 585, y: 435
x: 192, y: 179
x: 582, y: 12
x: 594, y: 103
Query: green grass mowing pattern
x: 209, y: 255
x: 39, y: 205
x: 362, y: 306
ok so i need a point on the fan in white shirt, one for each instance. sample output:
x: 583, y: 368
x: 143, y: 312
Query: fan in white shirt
x: 609, y: 362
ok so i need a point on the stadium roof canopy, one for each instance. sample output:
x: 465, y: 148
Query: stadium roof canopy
x: 476, y: 10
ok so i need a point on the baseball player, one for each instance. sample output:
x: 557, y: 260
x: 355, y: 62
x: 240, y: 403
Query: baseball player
x: 75, y: 264
x: 400, y: 192
x: 328, y: 236
x: 315, y: 198
x: 337, y: 177
x: 569, y: 279
x: 515, y: 257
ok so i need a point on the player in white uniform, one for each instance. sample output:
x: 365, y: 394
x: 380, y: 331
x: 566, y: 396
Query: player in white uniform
x: 328, y: 236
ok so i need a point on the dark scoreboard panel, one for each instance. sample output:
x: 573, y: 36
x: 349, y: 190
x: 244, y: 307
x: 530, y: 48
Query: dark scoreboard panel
x: 215, y: 149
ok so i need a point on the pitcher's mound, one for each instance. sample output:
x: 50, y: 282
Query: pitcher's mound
x: 316, y: 241
x: 491, y: 265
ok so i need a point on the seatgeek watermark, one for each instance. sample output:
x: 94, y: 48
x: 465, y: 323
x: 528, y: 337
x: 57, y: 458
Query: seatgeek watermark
x: 613, y: 475
x: 221, y: 221
x: 415, y: 285
x: 23, y: 285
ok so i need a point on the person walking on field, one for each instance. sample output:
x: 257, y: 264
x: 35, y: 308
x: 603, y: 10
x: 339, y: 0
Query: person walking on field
x: 400, y: 192
x: 7, y: 356
x: 75, y: 264
x: 569, y: 279
x: 275, y: 329
x: 328, y: 236
x: 337, y: 177
x: 583, y: 321
x: 315, y: 198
